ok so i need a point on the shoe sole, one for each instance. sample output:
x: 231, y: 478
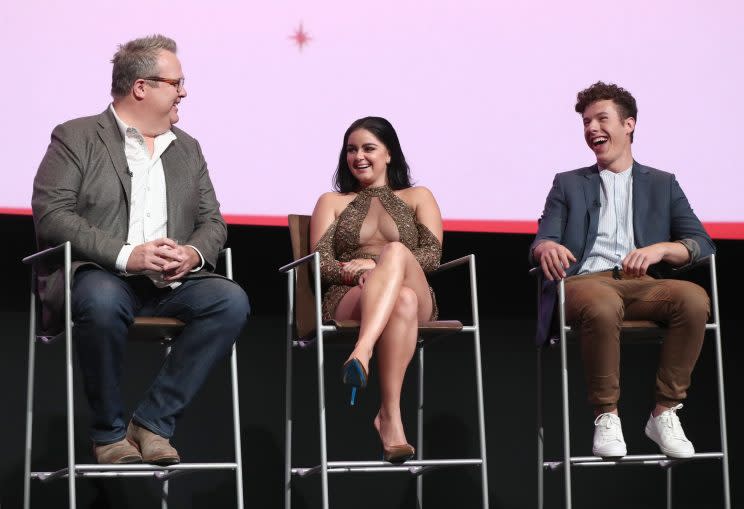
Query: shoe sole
x: 609, y: 456
x: 163, y: 462
x: 353, y: 374
x: 399, y: 459
x: 676, y: 455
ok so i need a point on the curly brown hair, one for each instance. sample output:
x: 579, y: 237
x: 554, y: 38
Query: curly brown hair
x: 600, y: 91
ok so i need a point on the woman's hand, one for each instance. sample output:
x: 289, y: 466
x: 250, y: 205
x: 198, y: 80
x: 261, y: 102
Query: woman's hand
x: 362, y: 279
x: 349, y: 269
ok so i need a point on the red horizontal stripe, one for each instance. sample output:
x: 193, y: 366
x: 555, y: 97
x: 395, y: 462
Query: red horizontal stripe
x: 717, y: 230
x: 256, y: 220
x: 725, y: 230
x: 15, y: 212
x: 489, y: 225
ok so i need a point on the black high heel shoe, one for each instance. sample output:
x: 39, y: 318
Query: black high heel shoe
x: 354, y: 374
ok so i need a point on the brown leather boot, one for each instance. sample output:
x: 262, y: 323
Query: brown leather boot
x: 120, y: 453
x: 155, y: 449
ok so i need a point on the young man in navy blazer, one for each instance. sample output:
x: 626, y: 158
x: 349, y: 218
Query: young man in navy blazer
x: 603, y: 226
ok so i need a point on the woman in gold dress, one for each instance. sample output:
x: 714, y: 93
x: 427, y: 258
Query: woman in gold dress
x: 377, y: 236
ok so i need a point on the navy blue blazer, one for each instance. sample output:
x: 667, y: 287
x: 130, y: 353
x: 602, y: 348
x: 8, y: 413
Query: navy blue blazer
x: 661, y: 213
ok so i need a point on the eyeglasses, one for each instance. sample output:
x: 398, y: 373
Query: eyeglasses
x: 178, y: 83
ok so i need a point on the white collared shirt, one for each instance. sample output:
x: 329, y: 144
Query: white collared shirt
x: 148, y: 214
x: 615, y: 236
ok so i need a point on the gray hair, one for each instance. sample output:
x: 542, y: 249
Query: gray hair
x: 137, y: 59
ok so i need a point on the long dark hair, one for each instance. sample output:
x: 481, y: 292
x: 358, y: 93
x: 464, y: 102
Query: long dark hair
x: 398, y: 173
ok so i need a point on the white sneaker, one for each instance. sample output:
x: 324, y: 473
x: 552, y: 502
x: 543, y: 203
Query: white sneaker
x: 667, y: 432
x: 608, y: 437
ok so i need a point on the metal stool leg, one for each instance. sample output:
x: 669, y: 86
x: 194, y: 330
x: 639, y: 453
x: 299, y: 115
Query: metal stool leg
x: 564, y: 395
x: 322, y: 418
x: 235, y: 401
x: 164, y: 494
x: 719, y: 376
x: 30, y: 399
x: 291, y: 275
x: 321, y: 387
x: 479, y: 381
x: 540, y: 436
x: 236, y: 427
x: 68, y: 369
x: 669, y: 487
x: 420, y: 426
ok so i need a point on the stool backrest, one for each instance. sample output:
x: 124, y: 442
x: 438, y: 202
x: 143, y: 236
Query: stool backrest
x: 299, y: 232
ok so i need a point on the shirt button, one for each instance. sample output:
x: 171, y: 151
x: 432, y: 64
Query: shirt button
x: 147, y: 214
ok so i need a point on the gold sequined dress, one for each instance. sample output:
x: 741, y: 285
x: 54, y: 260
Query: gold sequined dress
x: 341, y: 243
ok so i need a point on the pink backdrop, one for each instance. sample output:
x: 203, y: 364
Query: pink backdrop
x: 481, y: 93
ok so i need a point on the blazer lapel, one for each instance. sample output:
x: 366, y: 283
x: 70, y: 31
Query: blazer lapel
x: 110, y: 135
x: 641, y: 196
x: 591, y: 195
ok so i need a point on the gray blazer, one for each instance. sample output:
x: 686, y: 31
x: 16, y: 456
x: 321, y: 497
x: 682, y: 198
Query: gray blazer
x: 661, y: 213
x: 82, y: 193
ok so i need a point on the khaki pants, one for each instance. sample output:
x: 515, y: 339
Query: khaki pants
x: 596, y: 305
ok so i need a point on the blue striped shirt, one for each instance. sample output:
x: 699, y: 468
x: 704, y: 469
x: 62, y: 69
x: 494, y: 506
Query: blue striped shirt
x: 615, y: 230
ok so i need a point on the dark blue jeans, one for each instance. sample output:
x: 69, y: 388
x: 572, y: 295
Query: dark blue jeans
x: 104, y: 306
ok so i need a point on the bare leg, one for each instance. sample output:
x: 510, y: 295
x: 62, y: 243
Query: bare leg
x: 373, y: 304
x: 395, y: 350
x: 393, y: 300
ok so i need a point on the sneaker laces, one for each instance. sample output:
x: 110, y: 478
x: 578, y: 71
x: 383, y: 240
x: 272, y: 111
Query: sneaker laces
x: 670, y: 422
x: 609, y: 426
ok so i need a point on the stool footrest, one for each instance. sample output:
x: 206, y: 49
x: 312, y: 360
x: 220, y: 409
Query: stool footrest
x: 660, y: 460
x: 132, y: 470
x: 414, y: 467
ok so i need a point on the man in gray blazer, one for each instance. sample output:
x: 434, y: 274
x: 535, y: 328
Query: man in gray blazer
x: 602, y: 228
x: 132, y: 194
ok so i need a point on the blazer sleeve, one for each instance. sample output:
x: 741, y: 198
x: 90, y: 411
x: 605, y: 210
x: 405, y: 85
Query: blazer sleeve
x: 686, y: 227
x: 210, y: 230
x: 552, y: 222
x: 54, y: 201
